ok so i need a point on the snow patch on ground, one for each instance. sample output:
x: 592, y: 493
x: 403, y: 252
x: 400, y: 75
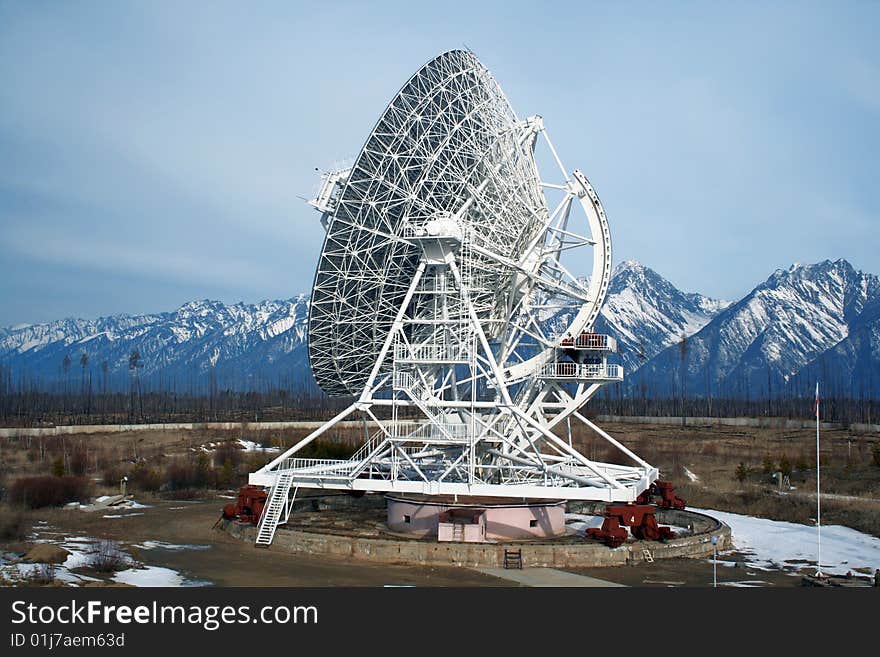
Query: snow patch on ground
x: 690, y: 475
x: 246, y: 445
x: 251, y: 446
x: 162, y: 545
x: 99, y: 504
x: 154, y: 576
x: 580, y: 522
x: 747, y: 584
x: 149, y: 576
x: 82, y: 549
x: 775, y: 544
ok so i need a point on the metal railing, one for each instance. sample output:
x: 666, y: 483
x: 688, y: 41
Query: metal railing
x: 323, y: 468
x: 369, y: 446
x: 589, y: 341
x: 427, y: 431
x: 588, y: 371
x: 430, y: 352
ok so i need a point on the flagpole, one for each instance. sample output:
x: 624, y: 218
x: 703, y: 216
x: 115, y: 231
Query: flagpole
x: 818, y: 495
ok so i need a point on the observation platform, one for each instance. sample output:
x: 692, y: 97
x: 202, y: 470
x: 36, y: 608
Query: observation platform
x: 566, y: 371
x: 589, y: 342
x: 604, y: 482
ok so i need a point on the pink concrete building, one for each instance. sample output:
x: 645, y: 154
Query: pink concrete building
x: 471, y: 519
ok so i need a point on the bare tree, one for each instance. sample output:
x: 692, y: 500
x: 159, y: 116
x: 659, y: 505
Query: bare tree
x: 83, y: 363
x: 65, y: 364
x: 104, y: 367
x: 682, y: 351
x: 642, y: 358
x: 133, y: 364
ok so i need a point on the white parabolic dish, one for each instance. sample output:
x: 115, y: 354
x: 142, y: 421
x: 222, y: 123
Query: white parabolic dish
x: 447, y: 132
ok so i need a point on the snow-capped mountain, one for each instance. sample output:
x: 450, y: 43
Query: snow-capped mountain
x: 782, y: 326
x: 647, y: 313
x: 807, y: 321
x: 852, y: 367
x: 241, y: 344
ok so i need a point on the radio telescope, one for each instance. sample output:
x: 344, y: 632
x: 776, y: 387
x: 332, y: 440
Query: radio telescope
x: 442, y: 304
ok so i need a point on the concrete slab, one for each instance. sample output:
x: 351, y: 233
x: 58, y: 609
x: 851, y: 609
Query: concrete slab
x: 547, y: 577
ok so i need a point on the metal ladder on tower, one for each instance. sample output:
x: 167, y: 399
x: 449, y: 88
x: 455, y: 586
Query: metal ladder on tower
x: 416, y: 390
x: 274, y: 508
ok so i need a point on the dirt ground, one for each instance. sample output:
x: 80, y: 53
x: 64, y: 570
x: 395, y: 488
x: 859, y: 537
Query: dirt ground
x: 732, y: 571
x: 704, y: 462
x: 230, y: 562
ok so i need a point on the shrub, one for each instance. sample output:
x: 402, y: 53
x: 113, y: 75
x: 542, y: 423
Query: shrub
x: 108, y: 558
x: 112, y: 475
x: 785, y: 466
x: 42, y: 573
x: 145, y: 478
x: 257, y: 460
x: 45, y: 490
x: 228, y: 452
x: 768, y: 466
x: 226, y: 475
x: 79, y: 461
x: 320, y: 449
x: 875, y: 454
x: 741, y: 472
x: 12, y: 526
x: 194, y: 474
x: 58, y: 467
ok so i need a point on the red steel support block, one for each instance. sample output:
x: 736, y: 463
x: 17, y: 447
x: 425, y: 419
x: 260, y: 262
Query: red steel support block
x: 611, y: 533
x: 639, y: 517
x: 249, y: 505
x: 665, y: 490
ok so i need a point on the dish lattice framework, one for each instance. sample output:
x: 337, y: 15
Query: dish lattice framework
x: 441, y: 302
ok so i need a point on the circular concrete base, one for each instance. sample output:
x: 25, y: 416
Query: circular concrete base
x: 355, y: 528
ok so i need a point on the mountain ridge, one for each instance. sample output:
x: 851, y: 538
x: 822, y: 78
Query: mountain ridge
x: 806, y: 321
x: 763, y: 341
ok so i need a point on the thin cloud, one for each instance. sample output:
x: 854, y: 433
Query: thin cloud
x: 27, y: 238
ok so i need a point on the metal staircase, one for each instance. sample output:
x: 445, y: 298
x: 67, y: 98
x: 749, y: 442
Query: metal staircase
x: 275, y: 507
x: 369, y: 446
x: 421, y: 396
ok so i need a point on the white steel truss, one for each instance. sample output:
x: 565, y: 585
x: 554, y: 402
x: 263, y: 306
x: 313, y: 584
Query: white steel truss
x: 430, y: 302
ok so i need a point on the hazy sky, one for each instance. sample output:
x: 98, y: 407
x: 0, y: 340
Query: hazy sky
x: 153, y: 152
